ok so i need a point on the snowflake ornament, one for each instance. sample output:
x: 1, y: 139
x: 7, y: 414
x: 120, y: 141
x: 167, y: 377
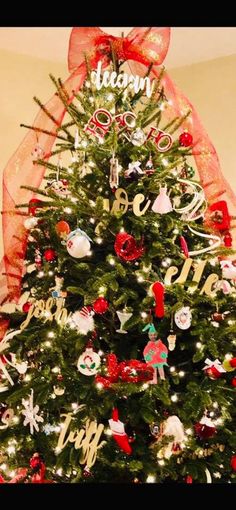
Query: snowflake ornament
x: 30, y: 413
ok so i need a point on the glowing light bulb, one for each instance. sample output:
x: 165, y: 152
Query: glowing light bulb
x: 108, y: 432
x: 140, y: 278
x: 181, y: 373
x: 67, y: 210
x: 99, y: 386
x: 143, y: 315
x: 172, y: 369
x: 151, y: 479
x: 51, y: 273
x: 55, y: 370
x: 51, y: 334
x: 112, y: 262
x: 40, y: 274
x: 98, y: 240
x: 161, y: 462
x: 165, y: 162
x: 92, y: 220
x: 84, y: 143
x: 189, y: 432
x: 145, y: 386
x: 11, y: 449
x: 174, y: 398
x: 74, y: 405
x: 199, y: 345
x: 228, y: 356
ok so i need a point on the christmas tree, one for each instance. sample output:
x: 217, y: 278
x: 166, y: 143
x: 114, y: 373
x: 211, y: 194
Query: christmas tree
x: 118, y: 361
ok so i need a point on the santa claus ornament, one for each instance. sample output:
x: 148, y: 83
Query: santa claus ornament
x: 82, y: 320
x: 171, y: 427
x: 228, y: 269
x: 118, y: 432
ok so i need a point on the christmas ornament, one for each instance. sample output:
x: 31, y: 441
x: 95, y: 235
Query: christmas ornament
x: 154, y: 429
x: 155, y: 354
x: 101, y: 305
x: 118, y: 432
x: 134, y: 171
x: 49, y: 255
x: 58, y: 391
x: 233, y: 382
x: 99, y: 124
x: 171, y: 427
x: 26, y: 307
x: 218, y: 317
x: 115, y: 168
x: 123, y: 317
x: 126, y: 248
x: 162, y: 139
x: 229, y: 364
x: 121, y: 80
x: 6, y: 416
x: 228, y: 269
x: 37, y: 152
x: 78, y: 244
x: 162, y: 204
x: 184, y: 246
x: 34, y: 204
x: 183, y: 317
x: 56, y: 290
x: 189, y: 479
x: 205, y: 428
x: 38, y: 258
x: 224, y: 286
x: 185, y: 139
x: 62, y: 229
x: 193, y: 210
x: 233, y: 462
x: 171, y: 341
x: 31, y: 413
x: 149, y: 168
x: 30, y: 222
x: 228, y: 240
x: 89, y: 361
x: 213, y: 369
x: 86, y: 472
x: 220, y: 218
x: 59, y: 187
x: 212, y: 245
x: 4, y: 360
x: 138, y: 137
x: 158, y: 290
x: 83, y: 320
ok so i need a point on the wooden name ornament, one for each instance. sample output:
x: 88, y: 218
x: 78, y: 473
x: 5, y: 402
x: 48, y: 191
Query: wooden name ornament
x: 49, y: 310
x: 198, y: 272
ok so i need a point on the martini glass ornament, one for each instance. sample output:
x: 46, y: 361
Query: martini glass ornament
x: 123, y: 317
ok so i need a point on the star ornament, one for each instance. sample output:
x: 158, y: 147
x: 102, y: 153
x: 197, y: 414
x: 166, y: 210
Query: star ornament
x: 31, y: 413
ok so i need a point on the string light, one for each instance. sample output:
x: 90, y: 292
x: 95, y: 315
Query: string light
x: 3, y: 466
x: 51, y: 334
x: 112, y: 262
x: 11, y: 449
x: 144, y: 315
x: 15, y: 419
x: 140, y: 278
x: 145, y: 386
x: 98, y: 240
x: 51, y: 273
x: 151, y: 479
x: 215, y: 405
x: 172, y: 369
x: 161, y: 462
x: 199, y: 345
x: 67, y: 210
x: 100, y: 352
x: 92, y: 220
x: 55, y: 370
x: 74, y: 405
x: 181, y: 373
x: 48, y: 343
x: 84, y: 143
x: 59, y: 471
x: 40, y: 274
x: 27, y: 378
x: 99, y: 386
x: 101, y: 290
x: 165, y: 162
x: 228, y: 356
x: 176, y: 231
x: 108, y: 432
x: 189, y: 432
x: 174, y: 398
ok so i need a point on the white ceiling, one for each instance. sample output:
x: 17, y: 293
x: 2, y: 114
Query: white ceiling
x: 188, y: 44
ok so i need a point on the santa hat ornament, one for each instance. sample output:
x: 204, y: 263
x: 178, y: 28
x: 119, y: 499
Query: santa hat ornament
x: 118, y: 432
x: 82, y: 320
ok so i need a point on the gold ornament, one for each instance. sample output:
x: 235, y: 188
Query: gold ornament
x: 44, y: 310
x: 198, y: 272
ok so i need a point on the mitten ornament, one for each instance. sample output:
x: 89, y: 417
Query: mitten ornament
x: 118, y: 432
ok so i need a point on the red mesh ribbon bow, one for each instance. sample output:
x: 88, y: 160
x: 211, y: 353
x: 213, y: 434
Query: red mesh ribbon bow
x: 143, y: 46
x: 133, y: 371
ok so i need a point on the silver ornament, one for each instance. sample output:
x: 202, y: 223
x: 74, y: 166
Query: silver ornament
x: 138, y: 137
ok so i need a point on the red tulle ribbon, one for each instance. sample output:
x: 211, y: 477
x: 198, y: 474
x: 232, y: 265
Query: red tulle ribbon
x: 133, y: 371
x: 143, y: 46
x: 38, y: 476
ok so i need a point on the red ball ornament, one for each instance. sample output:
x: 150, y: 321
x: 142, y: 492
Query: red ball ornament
x: 26, y: 307
x: 34, y: 204
x: 49, y: 255
x: 233, y: 462
x: 233, y: 382
x: 189, y: 479
x: 232, y: 362
x: 60, y: 377
x: 204, y: 431
x: 36, y: 462
x: 185, y: 139
x: 101, y: 305
x: 62, y: 228
x: 227, y: 240
x: 213, y: 373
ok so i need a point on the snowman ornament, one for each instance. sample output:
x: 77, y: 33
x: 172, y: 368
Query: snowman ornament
x: 78, y: 244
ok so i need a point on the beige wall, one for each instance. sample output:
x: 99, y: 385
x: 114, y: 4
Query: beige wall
x: 210, y: 86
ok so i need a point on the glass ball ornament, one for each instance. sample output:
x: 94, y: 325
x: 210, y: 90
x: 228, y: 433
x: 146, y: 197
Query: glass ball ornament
x: 49, y: 255
x: 185, y: 139
x: 101, y: 305
x: 138, y: 137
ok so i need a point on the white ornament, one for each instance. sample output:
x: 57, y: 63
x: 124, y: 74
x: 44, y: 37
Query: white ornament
x: 83, y: 321
x: 78, y: 244
x: 138, y: 137
x: 58, y: 391
x: 88, y: 362
x: 171, y: 427
x: 124, y: 317
x: 31, y: 413
x: 183, y: 317
x: 228, y: 269
x: 20, y: 367
x: 30, y: 222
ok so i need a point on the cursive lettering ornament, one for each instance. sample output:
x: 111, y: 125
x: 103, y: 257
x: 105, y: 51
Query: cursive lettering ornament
x: 198, y: 272
x: 45, y: 310
x: 87, y: 439
x: 121, y: 81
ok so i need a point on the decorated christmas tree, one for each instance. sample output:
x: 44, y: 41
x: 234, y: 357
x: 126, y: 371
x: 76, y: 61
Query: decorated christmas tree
x: 118, y: 345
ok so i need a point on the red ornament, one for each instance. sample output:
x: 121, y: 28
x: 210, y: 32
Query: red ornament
x: 213, y: 373
x: 233, y: 382
x: 34, y: 204
x: 158, y: 290
x: 221, y: 219
x: 227, y: 240
x: 189, y: 479
x: 26, y: 307
x: 36, y: 462
x: 101, y: 305
x: 203, y: 431
x: 60, y: 377
x: 49, y: 255
x: 233, y: 462
x: 232, y: 362
x: 62, y: 228
x: 126, y: 247
x: 185, y: 139
x: 184, y: 246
